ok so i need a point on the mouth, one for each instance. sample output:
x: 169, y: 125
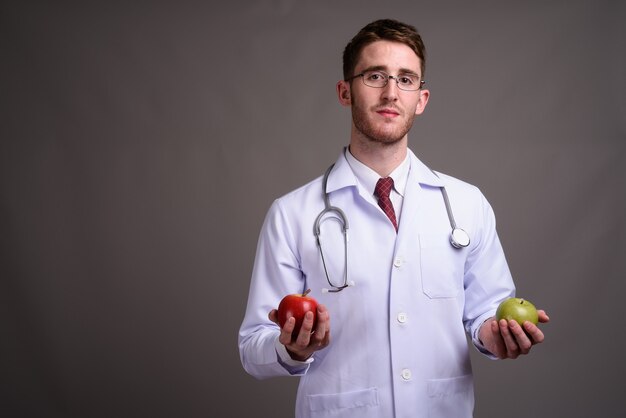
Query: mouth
x: 388, y: 112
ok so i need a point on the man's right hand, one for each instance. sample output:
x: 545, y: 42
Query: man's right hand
x: 309, y: 340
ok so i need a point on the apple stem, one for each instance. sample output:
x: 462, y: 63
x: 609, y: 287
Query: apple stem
x: 521, y: 301
x: 306, y: 292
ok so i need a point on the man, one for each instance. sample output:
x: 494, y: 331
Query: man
x: 400, y: 296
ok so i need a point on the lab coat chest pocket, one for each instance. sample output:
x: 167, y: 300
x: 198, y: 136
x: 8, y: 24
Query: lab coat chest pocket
x: 442, y: 266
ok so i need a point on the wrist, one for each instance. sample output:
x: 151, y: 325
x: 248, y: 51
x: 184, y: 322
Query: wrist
x: 286, y: 358
x: 484, y: 331
x: 297, y: 357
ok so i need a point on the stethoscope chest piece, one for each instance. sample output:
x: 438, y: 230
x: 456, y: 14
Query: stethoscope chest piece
x: 459, y: 238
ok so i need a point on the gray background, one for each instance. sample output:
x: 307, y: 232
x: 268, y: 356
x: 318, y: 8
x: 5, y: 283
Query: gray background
x: 124, y: 280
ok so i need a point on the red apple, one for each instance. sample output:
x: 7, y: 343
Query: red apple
x: 297, y: 305
x: 518, y: 309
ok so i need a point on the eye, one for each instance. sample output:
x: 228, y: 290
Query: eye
x: 407, y: 79
x: 374, y: 76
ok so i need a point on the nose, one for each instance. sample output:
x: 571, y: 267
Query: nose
x: 390, y: 91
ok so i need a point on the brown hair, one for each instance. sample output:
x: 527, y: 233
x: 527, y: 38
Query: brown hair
x: 379, y: 30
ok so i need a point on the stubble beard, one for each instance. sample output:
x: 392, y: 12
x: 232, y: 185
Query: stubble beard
x: 379, y: 134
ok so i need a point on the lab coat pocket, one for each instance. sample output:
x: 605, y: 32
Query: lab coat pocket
x: 323, y: 405
x: 452, y: 397
x: 442, y: 266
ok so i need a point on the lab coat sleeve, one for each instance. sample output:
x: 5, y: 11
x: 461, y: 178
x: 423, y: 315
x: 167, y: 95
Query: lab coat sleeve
x: 276, y: 273
x: 488, y: 279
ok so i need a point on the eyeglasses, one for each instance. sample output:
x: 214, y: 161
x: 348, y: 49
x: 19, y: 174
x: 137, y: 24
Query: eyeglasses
x: 379, y: 79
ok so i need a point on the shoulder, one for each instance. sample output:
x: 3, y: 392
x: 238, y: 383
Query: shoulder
x: 465, y: 197
x: 302, y: 194
x: 298, y: 205
x: 454, y: 183
x: 430, y: 178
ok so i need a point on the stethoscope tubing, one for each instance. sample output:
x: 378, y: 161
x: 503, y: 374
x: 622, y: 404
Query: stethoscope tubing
x: 459, y: 239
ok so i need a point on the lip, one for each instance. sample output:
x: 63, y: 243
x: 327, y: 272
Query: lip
x: 387, y: 112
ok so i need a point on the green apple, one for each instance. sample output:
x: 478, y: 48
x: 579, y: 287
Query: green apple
x: 518, y: 309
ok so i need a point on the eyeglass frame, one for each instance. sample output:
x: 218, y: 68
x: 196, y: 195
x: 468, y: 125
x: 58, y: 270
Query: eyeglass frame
x: 386, y: 77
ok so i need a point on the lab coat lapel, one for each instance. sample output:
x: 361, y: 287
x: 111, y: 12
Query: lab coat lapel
x: 420, y: 176
x: 341, y: 176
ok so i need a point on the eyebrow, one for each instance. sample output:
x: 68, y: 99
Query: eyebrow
x: 384, y: 69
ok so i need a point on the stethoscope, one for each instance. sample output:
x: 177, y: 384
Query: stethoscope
x: 459, y: 239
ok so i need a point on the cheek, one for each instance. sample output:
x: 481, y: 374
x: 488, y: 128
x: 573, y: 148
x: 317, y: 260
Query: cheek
x: 364, y: 98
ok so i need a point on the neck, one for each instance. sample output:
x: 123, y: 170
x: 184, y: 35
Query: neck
x: 383, y: 158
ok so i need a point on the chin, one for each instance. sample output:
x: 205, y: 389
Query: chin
x: 384, y: 136
x: 389, y: 138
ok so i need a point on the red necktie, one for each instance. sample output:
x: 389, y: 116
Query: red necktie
x: 382, y: 190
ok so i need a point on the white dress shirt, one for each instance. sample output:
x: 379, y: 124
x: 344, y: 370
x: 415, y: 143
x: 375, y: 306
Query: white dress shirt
x: 367, y: 178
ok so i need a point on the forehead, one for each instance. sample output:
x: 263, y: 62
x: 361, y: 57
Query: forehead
x: 388, y: 55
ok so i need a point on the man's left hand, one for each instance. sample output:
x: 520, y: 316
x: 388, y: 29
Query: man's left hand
x: 510, y: 340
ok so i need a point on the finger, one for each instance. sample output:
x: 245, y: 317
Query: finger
x: 498, y: 347
x: 287, y: 331
x: 326, y: 341
x: 512, y: 349
x: 304, y: 336
x: 323, y: 319
x: 534, y: 332
x: 326, y: 319
x: 320, y: 337
x: 322, y: 314
x: 521, y: 339
x: 495, y: 328
x: 322, y: 330
x: 543, y: 316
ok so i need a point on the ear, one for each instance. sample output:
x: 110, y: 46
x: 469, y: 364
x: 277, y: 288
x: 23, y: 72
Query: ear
x: 343, y: 93
x: 421, y: 104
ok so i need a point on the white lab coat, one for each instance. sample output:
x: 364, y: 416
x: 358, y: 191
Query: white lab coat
x: 398, y: 336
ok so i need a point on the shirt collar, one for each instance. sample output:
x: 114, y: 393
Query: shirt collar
x: 343, y: 175
x: 368, y: 177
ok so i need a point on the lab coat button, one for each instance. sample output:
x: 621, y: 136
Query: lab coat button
x: 402, y: 317
x: 398, y: 262
x: 406, y: 374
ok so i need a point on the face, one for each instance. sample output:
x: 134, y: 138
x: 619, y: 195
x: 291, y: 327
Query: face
x: 383, y: 115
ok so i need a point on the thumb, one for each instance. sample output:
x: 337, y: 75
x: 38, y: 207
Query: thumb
x: 273, y: 316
